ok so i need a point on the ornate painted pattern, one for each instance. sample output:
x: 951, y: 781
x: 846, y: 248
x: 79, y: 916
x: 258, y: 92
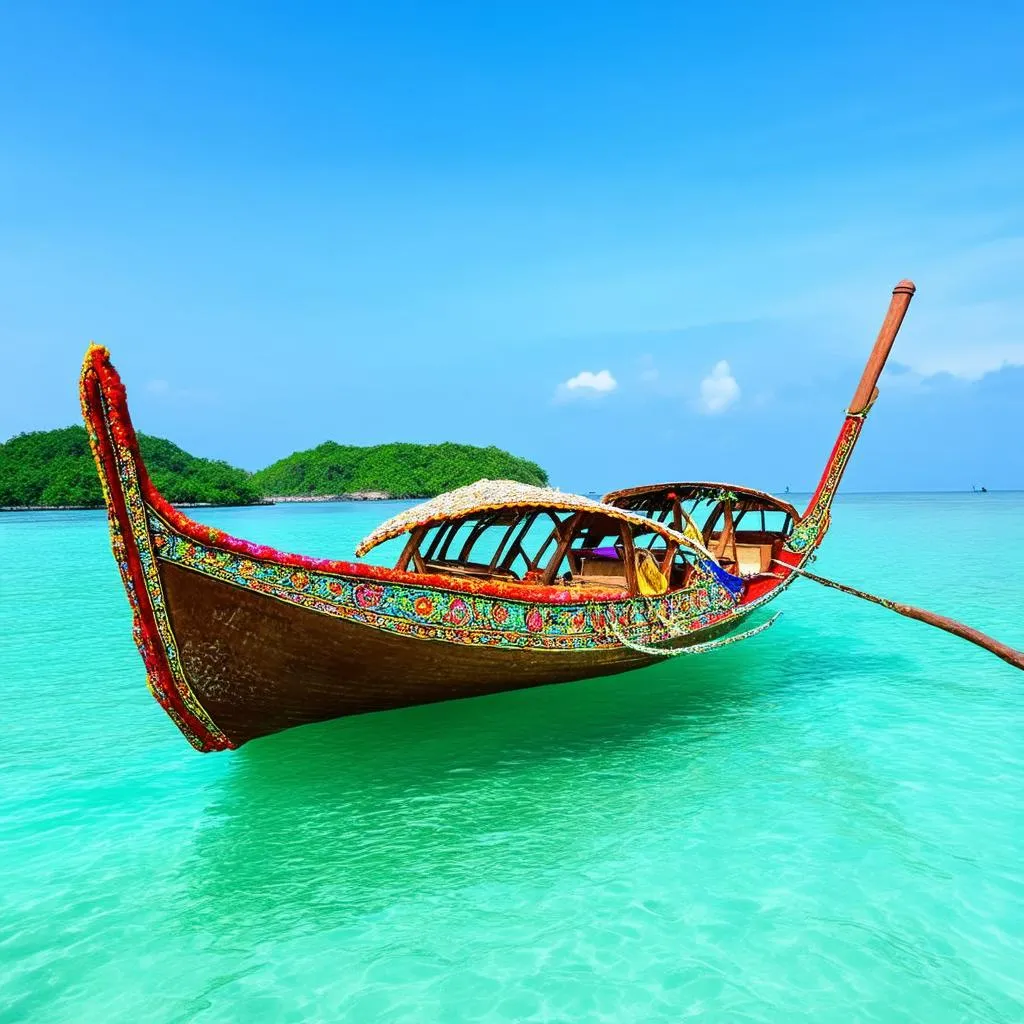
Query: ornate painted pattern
x: 808, y: 533
x: 431, y: 613
x: 130, y: 542
x: 137, y: 516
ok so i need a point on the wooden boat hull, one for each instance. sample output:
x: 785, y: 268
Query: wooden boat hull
x: 241, y: 641
x: 259, y: 666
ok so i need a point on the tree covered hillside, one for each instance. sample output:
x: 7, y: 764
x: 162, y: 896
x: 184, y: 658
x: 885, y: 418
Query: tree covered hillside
x: 55, y: 467
x: 403, y: 470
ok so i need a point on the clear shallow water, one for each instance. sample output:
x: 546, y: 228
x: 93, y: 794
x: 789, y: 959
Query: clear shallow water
x: 825, y: 823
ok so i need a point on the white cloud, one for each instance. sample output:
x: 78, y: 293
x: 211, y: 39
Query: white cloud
x: 719, y: 389
x: 588, y: 384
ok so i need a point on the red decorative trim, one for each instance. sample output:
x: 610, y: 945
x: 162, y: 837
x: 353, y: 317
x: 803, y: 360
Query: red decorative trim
x: 107, y: 427
x: 838, y: 457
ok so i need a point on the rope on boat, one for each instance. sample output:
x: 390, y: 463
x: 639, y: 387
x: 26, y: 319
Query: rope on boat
x: 710, y: 645
x: 968, y: 633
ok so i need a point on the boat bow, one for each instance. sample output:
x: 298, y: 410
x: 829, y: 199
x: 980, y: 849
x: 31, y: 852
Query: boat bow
x: 127, y: 489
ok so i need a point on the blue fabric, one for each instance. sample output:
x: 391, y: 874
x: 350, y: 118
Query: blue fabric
x: 734, y: 584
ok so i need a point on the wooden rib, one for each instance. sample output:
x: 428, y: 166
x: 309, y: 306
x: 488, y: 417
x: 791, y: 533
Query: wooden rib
x: 417, y: 560
x: 567, y: 531
x: 411, y: 549
x: 629, y: 557
x: 535, y: 563
x: 442, y: 531
x: 666, y: 562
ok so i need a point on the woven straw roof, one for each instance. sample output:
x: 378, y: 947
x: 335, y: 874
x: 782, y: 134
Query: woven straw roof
x: 492, y: 495
x: 740, y: 492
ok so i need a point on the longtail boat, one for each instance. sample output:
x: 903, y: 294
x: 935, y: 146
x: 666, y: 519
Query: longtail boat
x: 498, y: 586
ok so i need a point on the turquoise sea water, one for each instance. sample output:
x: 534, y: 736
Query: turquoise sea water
x: 825, y: 823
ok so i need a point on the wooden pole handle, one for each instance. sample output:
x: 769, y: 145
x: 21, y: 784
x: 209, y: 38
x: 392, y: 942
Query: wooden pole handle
x: 865, y: 393
x: 975, y: 636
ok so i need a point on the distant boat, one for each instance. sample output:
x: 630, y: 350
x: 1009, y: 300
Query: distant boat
x: 498, y: 585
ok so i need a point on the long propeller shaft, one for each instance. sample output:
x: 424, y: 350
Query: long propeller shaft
x: 1010, y: 655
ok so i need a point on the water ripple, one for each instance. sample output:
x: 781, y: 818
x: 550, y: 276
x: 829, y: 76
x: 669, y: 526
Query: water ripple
x: 823, y: 824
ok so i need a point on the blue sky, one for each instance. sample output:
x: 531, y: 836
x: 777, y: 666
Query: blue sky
x: 398, y: 221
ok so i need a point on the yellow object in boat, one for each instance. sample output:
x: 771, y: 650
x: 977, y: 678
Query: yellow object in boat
x: 692, y: 533
x: 650, y: 579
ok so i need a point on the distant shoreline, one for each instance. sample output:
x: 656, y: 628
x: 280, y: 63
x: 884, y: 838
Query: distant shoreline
x: 283, y: 499
x: 304, y: 499
x: 98, y: 508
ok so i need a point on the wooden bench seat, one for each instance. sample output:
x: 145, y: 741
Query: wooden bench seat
x: 608, y: 572
x: 474, y: 569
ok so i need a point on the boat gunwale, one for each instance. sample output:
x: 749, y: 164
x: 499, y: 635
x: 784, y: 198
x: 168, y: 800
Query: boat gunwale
x: 719, y: 622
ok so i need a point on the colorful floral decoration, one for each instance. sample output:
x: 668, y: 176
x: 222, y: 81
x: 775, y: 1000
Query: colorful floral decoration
x: 413, y: 607
x: 458, y: 612
x: 811, y: 529
x: 369, y: 595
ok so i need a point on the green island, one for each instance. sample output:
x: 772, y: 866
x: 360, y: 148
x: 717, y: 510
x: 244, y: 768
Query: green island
x: 55, y: 469
x: 397, y: 470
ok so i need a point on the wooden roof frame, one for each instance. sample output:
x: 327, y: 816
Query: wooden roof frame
x: 681, y: 488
